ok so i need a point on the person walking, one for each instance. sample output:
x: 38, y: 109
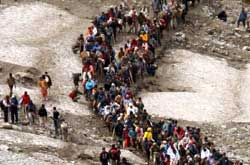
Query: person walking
x: 76, y: 79
x: 44, y: 87
x: 31, y: 112
x: 242, y: 18
x: 42, y: 115
x: 5, y: 108
x: 25, y: 102
x: 14, y: 110
x: 114, y: 155
x: 11, y: 83
x: 56, y: 116
x: 156, y: 6
x: 104, y: 157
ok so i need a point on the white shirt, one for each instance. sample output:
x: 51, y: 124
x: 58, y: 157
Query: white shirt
x: 205, y: 154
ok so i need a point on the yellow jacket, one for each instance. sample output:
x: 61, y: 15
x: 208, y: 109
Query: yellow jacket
x: 144, y: 37
x: 42, y: 84
x: 148, y: 134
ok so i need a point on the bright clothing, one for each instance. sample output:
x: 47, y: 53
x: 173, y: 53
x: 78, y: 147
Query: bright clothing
x: 148, y: 134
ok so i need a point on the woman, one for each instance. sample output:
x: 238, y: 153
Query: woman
x: 44, y: 88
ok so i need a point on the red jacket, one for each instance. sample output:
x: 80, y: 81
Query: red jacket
x: 72, y: 94
x: 25, y: 99
x: 125, y: 133
x: 180, y: 134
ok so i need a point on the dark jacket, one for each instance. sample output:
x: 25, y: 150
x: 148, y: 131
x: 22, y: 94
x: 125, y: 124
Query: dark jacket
x: 56, y: 115
x: 76, y: 78
x: 243, y: 15
x: 13, y: 104
x: 42, y: 112
x: 104, y: 158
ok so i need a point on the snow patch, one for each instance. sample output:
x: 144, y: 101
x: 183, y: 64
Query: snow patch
x: 214, y: 94
x: 33, y: 21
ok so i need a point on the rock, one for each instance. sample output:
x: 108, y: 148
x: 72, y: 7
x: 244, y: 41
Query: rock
x: 246, y: 36
x: 6, y: 126
x: 231, y: 20
x: 237, y: 34
x: 246, y: 48
x: 238, y: 30
x: 211, y: 31
x: 207, y: 11
x: 229, y: 33
x: 180, y: 37
x: 24, y: 77
x: 4, y: 147
x: 223, y: 126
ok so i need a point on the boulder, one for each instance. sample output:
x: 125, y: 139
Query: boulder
x: 24, y: 77
x: 180, y: 37
x: 5, y: 126
x: 246, y: 48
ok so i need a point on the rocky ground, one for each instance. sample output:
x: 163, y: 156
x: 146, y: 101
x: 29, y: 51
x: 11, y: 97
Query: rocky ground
x: 47, y: 46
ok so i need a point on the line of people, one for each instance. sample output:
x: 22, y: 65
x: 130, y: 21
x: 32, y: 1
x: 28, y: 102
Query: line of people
x: 109, y: 83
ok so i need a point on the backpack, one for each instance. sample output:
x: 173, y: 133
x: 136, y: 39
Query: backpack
x: 113, y: 154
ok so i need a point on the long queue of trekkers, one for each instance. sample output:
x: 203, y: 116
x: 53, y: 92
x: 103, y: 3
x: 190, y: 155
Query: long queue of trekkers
x: 109, y: 81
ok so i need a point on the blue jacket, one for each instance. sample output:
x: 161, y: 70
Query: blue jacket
x: 13, y: 101
x: 243, y: 15
x: 90, y: 84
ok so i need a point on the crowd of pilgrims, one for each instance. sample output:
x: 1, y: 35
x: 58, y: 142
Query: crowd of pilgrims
x: 109, y: 81
x: 109, y: 78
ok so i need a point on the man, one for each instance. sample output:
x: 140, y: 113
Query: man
x: 104, y: 157
x: 25, y: 102
x: 155, y: 149
x: 31, y: 112
x: 119, y: 131
x: 156, y: 5
x: 125, y: 162
x: 14, y: 109
x: 114, y: 155
x: 75, y: 94
x: 109, y: 34
x: 64, y: 130
x: 242, y: 18
x: 76, y: 79
x: 79, y: 45
x: 11, y: 83
x: 224, y: 160
x: 43, y: 115
x: 5, y: 108
x: 56, y: 115
x: 223, y: 16
x: 185, y: 2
